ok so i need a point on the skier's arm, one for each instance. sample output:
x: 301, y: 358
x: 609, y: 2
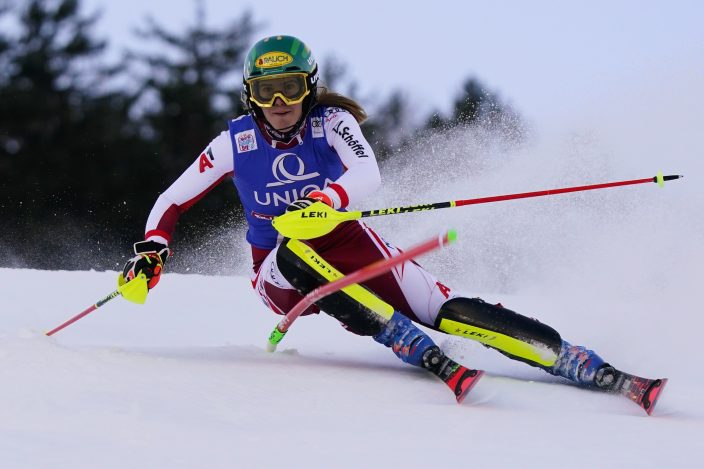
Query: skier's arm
x: 362, y: 175
x: 212, y: 166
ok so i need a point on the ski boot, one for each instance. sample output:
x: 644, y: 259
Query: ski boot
x: 585, y: 367
x: 415, y: 347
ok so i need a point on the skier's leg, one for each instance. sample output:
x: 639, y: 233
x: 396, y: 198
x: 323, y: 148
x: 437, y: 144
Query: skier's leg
x: 524, y: 339
x: 360, y: 310
x: 512, y: 334
x: 421, y: 297
x: 414, y: 346
x: 274, y: 290
x: 357, y: 308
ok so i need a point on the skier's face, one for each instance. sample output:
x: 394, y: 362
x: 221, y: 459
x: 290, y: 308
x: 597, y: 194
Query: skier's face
x: 282, y: 116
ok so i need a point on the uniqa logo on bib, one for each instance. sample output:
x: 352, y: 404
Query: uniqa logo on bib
x: 296, y: 172
x: 274, y: 59
x: 284, y: 176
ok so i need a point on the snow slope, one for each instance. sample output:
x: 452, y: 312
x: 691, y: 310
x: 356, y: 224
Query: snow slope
x: 186, y: 382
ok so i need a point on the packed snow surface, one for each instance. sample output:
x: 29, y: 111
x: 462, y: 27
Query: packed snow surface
x: 185, y: 381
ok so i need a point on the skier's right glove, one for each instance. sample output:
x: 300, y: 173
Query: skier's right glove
x: 149, y: 260
x: 308, y: 200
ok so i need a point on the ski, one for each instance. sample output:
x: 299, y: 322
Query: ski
x: 463, y: 381
x: 644, y: 392
x: 458, y: 378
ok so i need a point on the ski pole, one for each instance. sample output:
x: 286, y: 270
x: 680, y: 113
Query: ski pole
x: 358, y: 276
x: 135, y: 290
x: 319, y: 219
x: 97, y: 305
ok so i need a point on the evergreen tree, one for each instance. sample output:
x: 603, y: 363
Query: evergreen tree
x: 333, y: 73
x: 389, y: 125
x: 389, y: 119
x: 60, y: 128
x: 191, y: 88
x: 469, y: 106
x: 474, y: 105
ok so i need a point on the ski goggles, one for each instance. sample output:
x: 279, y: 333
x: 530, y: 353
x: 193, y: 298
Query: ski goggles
x: 292, y: 88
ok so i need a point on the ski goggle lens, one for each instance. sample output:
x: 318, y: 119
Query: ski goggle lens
x: 292, y: 88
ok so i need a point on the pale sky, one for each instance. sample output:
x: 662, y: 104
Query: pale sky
x: 543, y: 57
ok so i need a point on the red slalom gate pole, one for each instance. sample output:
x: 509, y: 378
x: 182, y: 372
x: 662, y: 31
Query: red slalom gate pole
x: 358, y: 276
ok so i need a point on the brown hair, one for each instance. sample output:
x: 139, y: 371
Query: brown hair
x: 330, y: 98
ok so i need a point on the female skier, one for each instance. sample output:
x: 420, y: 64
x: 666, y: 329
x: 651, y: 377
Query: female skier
x: 300, y: 143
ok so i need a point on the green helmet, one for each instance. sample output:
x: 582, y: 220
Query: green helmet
x: 279, y: 54
x: 284, y: 57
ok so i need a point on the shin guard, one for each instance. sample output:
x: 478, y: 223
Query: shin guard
x: 360, y: 310
x: 512, y: 334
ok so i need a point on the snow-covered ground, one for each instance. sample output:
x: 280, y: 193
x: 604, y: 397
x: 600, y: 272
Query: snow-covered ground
x: 185, y: 381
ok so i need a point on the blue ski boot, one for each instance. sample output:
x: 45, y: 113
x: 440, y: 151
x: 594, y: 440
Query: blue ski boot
x: 583, y: 366
x: 407, y: 341
x: 415, y: 347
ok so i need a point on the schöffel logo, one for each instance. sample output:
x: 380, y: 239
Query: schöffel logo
x: 274, y: 59
x: 284, y: 176
x: 246, y: 141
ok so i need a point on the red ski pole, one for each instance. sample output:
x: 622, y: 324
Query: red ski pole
x: 358, y: 276
x: 97, y: 305
x: 135, y: 291
x: 319, y: 219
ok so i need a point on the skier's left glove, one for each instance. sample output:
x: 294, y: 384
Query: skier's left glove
x: 309, y: 199
x: 149, y: 260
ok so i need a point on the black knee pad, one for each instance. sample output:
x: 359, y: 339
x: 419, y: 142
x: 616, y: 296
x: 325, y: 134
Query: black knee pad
x: 308, y: 271
x: 510, y: 333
